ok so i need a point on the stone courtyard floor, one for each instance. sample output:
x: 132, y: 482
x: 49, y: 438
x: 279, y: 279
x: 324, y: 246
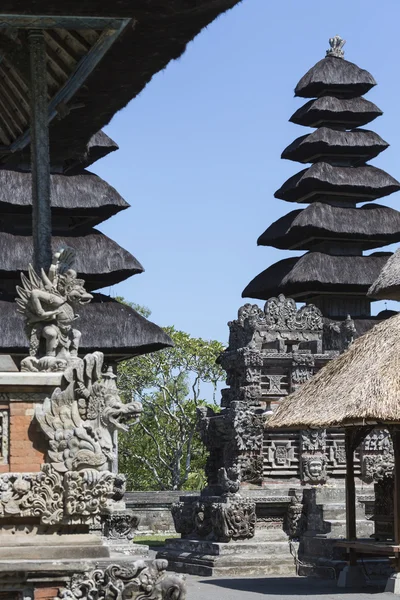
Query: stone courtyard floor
x: 275, y: 588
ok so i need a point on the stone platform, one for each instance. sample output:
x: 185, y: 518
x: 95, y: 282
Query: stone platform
x: 268, y: 553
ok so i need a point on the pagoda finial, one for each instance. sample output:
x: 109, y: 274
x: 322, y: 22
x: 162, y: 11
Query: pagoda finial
x: 336, y: 47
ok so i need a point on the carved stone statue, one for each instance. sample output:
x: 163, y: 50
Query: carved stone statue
x: 80, y: 420
x: 49, y: 304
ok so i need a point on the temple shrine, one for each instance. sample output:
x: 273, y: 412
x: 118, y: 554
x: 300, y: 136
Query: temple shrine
x: 273, y: 351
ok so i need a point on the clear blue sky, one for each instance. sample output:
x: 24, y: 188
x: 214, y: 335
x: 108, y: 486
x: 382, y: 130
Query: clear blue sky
x: 199, y: 156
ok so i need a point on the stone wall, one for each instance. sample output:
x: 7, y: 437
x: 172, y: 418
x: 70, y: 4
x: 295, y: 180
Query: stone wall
x: 154, y: 509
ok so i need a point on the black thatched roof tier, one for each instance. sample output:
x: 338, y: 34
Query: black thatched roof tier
x: 351, y: 184
x: 99, y: 145
x: 83, y: 199
x: 158, y: 33
x: 340, y: 112
x: 333, y: 76
x: 99, y: 260
x: 317, y: 273
x: 369, y: 226
x: 107, y: 325
x: 348, y: 148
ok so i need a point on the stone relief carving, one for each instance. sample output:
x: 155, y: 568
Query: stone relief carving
x: 282, y: 314
x: 33, y: 495
x: 377, y: 459
x: 120, y: 526
x: 229, y: 480
x: 295, y: 518
x: 4, y: 436
x: 49, y: 303
x: 143, y: 579
x: 247, y: 425
x: 313, y: 468
x: 313, y: 439
x: 233, y: 518
x: 79, y: 421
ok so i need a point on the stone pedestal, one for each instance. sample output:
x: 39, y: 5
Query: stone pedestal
x: 62, y: 513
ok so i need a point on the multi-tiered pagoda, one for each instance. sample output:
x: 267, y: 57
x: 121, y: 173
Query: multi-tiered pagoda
x: 80, y: 201
x: 334, y: 274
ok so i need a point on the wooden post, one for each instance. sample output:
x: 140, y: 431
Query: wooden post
x: 351, y: 531
x: 40, y: 155
x: 395, y: 433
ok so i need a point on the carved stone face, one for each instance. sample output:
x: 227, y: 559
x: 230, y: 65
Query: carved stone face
x: 117, y: 414
x: 315, y: 468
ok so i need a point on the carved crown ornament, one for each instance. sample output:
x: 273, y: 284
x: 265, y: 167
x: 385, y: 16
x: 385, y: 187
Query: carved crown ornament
x: 336, y: 47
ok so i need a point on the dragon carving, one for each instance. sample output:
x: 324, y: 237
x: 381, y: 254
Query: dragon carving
x: 82, y: 419
x: 49, y: 304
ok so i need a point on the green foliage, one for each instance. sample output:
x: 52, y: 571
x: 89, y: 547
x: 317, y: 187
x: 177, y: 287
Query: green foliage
x: 164, y: 451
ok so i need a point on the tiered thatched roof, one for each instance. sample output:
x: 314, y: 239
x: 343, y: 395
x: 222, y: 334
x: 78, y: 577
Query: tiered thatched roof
x: 340, y: 112
x: 354, y: 184
x: 348, y: 147
x: 107, y: 325
x: 314, y: 273
x: 333, y: 76
x: 83, y: 198
x: 100, y: 260
x: 370, y: 226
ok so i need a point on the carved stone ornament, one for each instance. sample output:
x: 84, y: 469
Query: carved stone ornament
x: 141, y: 580
x: 313, y: 468
x: 336, y: 47
x: 313, y: 439
x: 120, y: 526
x: 247, y: 425
x: 282, y: 314
x: 233, y: 518
x: 295, y: 519
x: 229, y: 480
x: 49, y: 303
x: 33, y: 495
x: 377, y: 467
x: 80, y: 420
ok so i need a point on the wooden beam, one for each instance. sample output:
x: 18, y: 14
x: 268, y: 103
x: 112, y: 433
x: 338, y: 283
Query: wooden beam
x: 83, y: 69
x: 55, y: 21
x: 40, y: 156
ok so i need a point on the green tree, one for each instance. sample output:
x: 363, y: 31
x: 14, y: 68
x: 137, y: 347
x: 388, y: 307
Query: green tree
x: 164, y: 451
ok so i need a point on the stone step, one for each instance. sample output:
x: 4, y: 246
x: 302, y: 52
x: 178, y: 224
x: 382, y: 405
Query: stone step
x: 338, y: 511
x: 40, y: 552
x: 269, y: 535
x: 338, y: 528
x: 240, y: 565
x: 217, y: 549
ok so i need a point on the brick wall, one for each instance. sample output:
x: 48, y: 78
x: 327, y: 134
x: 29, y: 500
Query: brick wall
x: 26, y: 440
x: 46, y: 593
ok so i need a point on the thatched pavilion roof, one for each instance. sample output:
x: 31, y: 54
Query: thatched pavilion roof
x: 361, y: 386
x: 99, y: 260
x: 336, y: 77
x: 387, y: 285
x: 369, y: 226
x: 356, y: 184
x: 99, y: 145
x: 106, y: 325
x: 158, y: 33
x: 335, y: 146
x: 330, y: 111
x: 82, y: 198
x: 315, y: 272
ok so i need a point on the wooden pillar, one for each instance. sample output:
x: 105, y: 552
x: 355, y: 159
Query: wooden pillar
x: 351, y: 531
x: 395, y: 433
x: 40, y: 155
